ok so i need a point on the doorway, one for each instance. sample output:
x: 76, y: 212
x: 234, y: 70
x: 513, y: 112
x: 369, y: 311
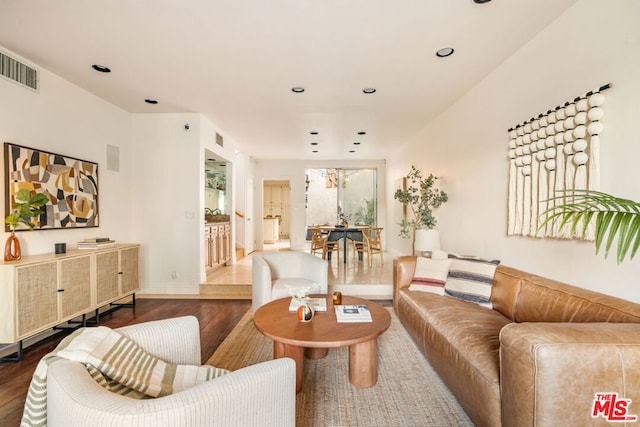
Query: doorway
x: 277, y: 212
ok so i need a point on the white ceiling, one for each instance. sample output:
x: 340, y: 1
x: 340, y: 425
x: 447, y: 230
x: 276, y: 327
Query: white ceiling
x: 235, y: 61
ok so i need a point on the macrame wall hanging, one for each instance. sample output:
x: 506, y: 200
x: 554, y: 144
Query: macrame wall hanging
x: 559, y: 150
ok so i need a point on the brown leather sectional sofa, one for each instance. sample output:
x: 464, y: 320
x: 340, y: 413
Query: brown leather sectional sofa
x: 537, y: 358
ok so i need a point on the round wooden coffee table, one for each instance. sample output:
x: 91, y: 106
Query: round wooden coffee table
x: 295, y: 339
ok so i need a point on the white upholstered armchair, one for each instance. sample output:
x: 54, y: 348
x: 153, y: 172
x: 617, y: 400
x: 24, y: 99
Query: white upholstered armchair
x: 274, y: 271
x: 261, y: 394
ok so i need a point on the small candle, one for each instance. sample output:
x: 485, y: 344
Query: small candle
x: 337, y: 298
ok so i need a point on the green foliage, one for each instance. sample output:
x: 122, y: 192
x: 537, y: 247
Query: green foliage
x: 367, y: 213
x: 614, y: 217
x: 421, y: 197
x: 25, y: 207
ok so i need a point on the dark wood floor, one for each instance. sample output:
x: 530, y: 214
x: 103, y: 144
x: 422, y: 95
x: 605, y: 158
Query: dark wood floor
x: 217, y: 318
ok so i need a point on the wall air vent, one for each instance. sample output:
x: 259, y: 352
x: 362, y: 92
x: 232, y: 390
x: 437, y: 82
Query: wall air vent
x: 219, y: 140
x: 18, y: 71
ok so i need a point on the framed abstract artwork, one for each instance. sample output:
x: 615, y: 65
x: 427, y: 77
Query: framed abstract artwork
x: 70, y: 184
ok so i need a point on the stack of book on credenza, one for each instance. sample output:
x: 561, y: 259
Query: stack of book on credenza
x: 97, y: 243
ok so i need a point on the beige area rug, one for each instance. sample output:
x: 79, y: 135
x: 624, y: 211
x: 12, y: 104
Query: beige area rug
x: 408, y: 392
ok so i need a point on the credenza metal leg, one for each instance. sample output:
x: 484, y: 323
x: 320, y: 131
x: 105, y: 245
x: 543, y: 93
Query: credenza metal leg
x: 17, y: 357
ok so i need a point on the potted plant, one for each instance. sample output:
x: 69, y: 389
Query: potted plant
x: 25, y: 207
x: 614, y: 217
x: 421, y: 197
x: 367, y: 213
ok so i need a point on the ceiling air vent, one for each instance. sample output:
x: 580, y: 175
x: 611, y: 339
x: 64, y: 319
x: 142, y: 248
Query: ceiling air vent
x: 19, y: 72
x: 219, y: 140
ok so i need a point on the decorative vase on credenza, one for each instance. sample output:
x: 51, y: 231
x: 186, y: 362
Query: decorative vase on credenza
x: 12, y: 251
x: 25, y: 206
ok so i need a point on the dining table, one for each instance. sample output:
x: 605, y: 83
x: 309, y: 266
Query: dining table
x: 336, y: 232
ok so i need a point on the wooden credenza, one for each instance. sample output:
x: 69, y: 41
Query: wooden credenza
x: 217, y: 243
x: 41, y: 291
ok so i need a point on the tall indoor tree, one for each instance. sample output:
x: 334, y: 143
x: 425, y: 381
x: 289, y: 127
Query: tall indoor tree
x: 421, y: 197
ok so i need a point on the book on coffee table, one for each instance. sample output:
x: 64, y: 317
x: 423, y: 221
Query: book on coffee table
x: 318, y: 304
x: 352, y: 313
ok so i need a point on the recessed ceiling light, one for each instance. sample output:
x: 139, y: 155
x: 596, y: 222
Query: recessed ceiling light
x: 369, y: 90
x: 150, y: 101
x: 313, y: 132
x: 314, y: 151
x: 101, y: 68
x: 352, y: 151
x: 444, y: 52
x: 314, y: 143
x: 297, y: 89
x: 356, y: 143
x: 362, y: 133
x: 481, y: 1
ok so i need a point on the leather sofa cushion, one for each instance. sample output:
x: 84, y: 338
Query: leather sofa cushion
x: 461, y: 341
x: 470, y: 330
x: 526, y: 297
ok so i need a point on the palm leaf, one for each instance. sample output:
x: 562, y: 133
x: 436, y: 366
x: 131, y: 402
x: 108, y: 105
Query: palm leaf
x: 614, y: 218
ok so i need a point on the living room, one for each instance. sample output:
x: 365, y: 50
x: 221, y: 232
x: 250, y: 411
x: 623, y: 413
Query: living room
x: 84, y: 124
x: 152, y: 197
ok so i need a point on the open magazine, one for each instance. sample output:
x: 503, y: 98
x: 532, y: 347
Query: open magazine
x: 352, y: 313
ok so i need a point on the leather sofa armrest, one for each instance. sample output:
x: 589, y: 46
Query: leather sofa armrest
x: 550, y: 372
x: 403, y: 269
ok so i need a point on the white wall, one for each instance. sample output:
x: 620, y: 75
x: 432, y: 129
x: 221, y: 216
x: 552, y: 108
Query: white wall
x: 155, y: 199
x: 64, y: 119
x: 243, y: 172
x: 168, y: 198
x: 592, y: 43
x: 294, y: 171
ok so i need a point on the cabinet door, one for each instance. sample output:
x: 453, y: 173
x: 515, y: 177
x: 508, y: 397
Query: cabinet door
x: 268, y: 195
x: 107, y: 277
x: 75, y: 286
x: 37, y: 297
x: 276, y: 195
x: 207, y: 246
x: 129, y: 276
x: 214, y: 246
x: 285, y: 192
x: 220, y: 245
x: 226, y: 243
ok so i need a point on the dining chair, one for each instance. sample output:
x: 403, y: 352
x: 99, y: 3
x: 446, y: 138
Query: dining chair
x: 354, y: 244
x: 317, y: 241
x: 330, y: 246
x: 320, y: 243
x: 371, y: 243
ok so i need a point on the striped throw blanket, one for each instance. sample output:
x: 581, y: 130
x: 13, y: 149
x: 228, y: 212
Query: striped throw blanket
x: 118, y: 364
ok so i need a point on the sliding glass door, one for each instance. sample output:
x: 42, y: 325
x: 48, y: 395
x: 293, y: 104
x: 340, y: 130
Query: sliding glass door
x: 334, y: 195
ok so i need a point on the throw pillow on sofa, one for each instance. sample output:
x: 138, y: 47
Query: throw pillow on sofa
x: 430, y: 275
x: 470, y: 278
